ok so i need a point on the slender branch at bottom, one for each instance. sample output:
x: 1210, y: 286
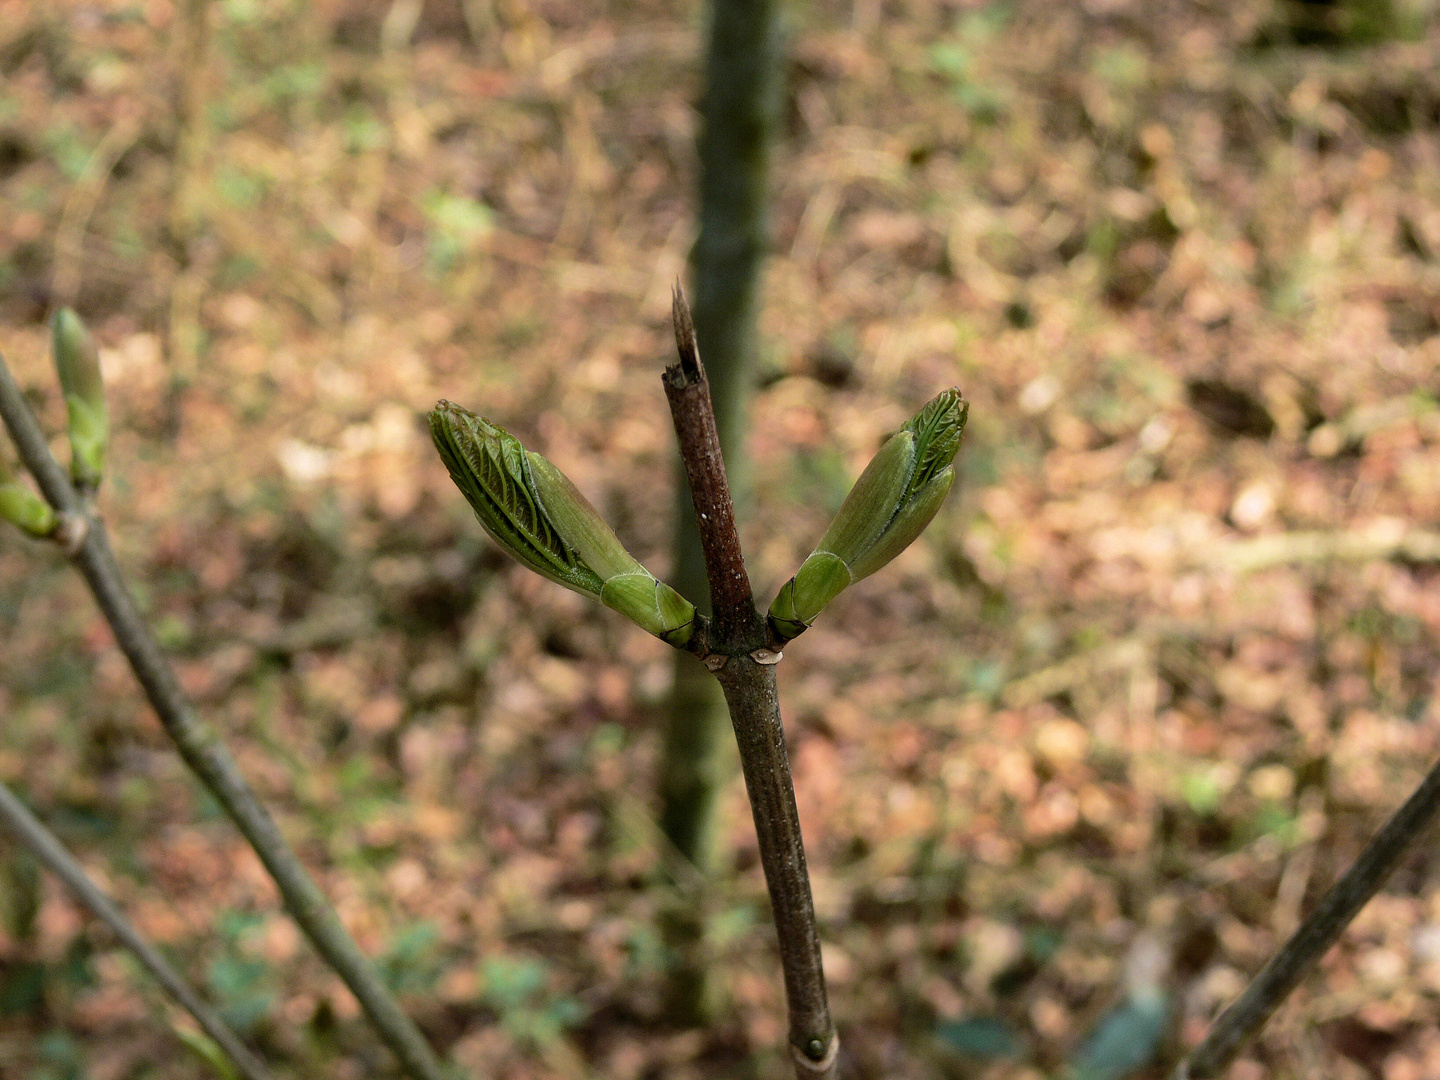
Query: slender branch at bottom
x: 1323, y: 928
x: 47, y: 848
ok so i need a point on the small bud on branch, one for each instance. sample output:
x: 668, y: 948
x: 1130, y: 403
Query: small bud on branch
x: 78, y: 364
x: 22, y: 507
x: 897, y: 495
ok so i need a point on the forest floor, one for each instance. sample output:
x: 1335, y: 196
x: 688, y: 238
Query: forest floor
x: 1163, y: 663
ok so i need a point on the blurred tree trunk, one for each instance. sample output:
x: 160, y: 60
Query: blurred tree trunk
x: 193, y: 44
x: 738, y: 119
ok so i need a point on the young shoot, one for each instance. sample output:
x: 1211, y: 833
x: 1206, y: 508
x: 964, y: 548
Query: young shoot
x: 533, y: 511
x: 897, y: 495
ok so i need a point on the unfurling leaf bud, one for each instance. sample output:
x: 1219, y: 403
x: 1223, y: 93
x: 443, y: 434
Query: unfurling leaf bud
x: 533, y: 511
x: 21, y: 506
x: 78, y: 364
x: 889, y: 506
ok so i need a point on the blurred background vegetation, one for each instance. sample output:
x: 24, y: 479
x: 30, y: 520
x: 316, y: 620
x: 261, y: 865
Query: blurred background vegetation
x: 1139, y: 695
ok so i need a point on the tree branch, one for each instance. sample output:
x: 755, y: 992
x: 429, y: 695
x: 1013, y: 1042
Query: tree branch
x: 202, y: 749
x: 47, y: 848
x: 34, y: 450
x: 1240, y: 1022
x: 688, y: 391
x: 750, y: 692
x: 745, y: 669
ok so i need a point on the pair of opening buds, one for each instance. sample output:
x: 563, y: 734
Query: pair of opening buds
x: 537, y: 515
x: 77, y: 362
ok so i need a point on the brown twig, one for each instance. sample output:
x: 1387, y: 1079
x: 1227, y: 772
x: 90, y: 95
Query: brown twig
x: 688, y: 392
x: 745, y: 668
x: 1240, y: 1022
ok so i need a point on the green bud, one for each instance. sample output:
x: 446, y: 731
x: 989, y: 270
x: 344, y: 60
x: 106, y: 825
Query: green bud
x: 821, y: 577
x: 579, y: 522
x: 78, y: 364
x: 871, y: 503
x: 937, y: 429
x: 21, y: 506
x: 651, y: 605
x: 533, y: 511
x: 897, y: 495
x: 491, y: 469
x: 906, y: 526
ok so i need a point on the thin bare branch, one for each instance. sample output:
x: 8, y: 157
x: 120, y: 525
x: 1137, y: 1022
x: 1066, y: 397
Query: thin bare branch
x: 1242, y: 1020
x: 46, y: 847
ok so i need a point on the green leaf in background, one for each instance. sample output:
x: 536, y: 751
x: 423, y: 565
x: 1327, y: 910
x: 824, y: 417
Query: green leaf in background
x: 456, y: 222
x: 1126, y: 1038
x: 243, y: 985
x: 511, y: 984
x: 986, y: 1038
x: 412, y: 964
x: 1202, y: 791
x: 61, y: 1058
x: 517, y: 990
x: 245, y: 989
x: 22, y: 987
